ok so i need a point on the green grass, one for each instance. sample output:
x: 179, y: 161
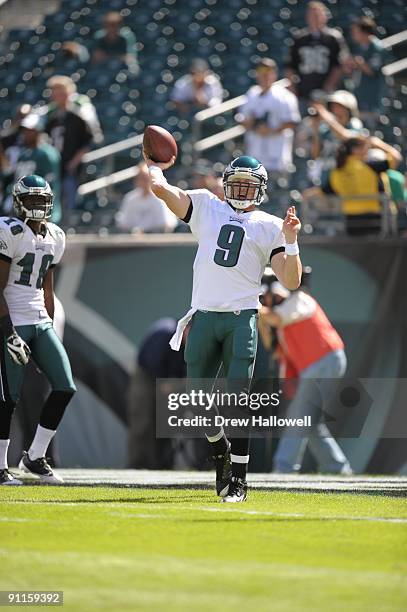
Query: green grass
x: 138, y: 549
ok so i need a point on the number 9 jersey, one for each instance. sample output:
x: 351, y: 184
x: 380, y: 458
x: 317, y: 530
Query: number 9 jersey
x: 30, y: 256
x: 234, y: 248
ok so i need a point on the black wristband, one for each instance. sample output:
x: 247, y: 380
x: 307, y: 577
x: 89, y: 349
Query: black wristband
x: 6, y: 326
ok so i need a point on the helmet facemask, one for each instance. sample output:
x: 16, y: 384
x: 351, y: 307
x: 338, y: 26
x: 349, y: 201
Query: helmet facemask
x: 244, y: 186
x: 32, y: 203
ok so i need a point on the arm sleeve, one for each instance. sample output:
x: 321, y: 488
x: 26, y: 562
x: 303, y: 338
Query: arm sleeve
x: 296, y: 308
x: 196, y: 217
x: 278, y: 241
x: 60, y: 245
x: 6, y: 243
x: 290, y: 111
x: 379, y: 166
x: 292, y: 56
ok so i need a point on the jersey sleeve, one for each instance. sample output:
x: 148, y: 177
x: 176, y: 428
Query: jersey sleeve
x: 277, y: 244
x: 201, y: 199
x: 59, y: 237
x: 7, y: 242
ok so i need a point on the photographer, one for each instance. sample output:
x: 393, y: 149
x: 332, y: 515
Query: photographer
x: 310, y: 347
x: 269, y: 115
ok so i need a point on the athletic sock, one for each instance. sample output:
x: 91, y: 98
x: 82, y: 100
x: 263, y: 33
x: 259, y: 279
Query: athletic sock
x: 4, y: 444
x: 240, y: 457
x: 219, y: 443
x: 40, y: 443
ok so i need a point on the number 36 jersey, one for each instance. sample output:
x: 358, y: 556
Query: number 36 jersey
x: 30, y: 256
x: 234, y: 248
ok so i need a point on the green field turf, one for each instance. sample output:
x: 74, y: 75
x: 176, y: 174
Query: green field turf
x: 167, y: 549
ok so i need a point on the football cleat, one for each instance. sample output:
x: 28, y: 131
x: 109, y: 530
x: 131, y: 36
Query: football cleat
x: 7, y: 478
x: 245, y: 182
x: 237, y: 491
x: 33, y: 198
x: 223, y: 472
x: 41, y: 468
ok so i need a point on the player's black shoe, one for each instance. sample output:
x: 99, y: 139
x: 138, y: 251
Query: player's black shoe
x: 7, y: 478
x: 41, y: 468
x: 223, y: 472
x: 237, y: 491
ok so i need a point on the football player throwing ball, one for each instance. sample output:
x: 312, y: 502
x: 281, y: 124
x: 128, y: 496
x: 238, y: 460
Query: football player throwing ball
x: 236, y: 242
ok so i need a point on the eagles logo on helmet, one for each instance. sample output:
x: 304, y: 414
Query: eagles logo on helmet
x: 33, y: 198
x: 245, y: 182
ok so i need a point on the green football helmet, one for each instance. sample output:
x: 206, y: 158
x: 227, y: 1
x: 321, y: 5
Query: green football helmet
x: 245, y: 182
x: 33, y: 198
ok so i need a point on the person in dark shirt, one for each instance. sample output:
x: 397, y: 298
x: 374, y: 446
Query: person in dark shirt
x: 115, y: 41
x: 359, y: 183
x: 315, y: 58
x: 155, y: 360
x: 66, y: 116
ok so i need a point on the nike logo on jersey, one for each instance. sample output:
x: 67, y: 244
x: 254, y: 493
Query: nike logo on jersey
x: 238, y: 219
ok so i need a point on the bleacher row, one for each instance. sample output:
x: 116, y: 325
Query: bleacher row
x: 230, y: 34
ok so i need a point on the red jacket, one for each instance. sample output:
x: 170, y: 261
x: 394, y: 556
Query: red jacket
x: 306, y: 335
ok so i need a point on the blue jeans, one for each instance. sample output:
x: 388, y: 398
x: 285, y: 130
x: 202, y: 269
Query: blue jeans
x: 326, y: 450
x: 69, y: 189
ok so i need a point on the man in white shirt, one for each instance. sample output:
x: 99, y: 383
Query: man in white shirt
x: 270, y: 115
x: 142, y: 211
x: 236, y: 241
x: 197, y: 90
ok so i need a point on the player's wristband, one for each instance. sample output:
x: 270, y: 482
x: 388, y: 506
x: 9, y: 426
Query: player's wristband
x: 292, y: 249
x: 156, y: 172
x: 6, y: 326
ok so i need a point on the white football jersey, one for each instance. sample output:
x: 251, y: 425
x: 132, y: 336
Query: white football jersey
x: 234, y: 248
x: 30, y: 255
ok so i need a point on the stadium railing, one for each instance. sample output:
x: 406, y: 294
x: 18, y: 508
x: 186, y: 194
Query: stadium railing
x: 108, y: 152
x: 324, y: 214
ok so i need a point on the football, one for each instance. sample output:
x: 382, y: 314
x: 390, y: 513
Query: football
x: 158, y: 144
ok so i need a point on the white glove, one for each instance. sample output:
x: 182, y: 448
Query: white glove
x: 18, y: 350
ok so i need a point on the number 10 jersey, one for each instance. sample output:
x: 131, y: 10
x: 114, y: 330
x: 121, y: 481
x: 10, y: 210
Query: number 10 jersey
x: 234, y: 248
x: 30, y: 256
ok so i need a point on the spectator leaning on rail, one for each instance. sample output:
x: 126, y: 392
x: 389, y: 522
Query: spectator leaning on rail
x: 310, y: 347
x: 366, y: 63
x: 115, y: 41
x: 316, y: 55
x: 72, y: 124
x: 197, y: 90
x: 142, y: 211
x: 359, y: 183
x: 270, y: 115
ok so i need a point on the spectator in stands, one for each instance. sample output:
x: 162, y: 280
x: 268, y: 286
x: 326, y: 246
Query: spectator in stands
x: 316, y: 55
x: 269, y: 115
x: 10, y: 145
x: 204, y: 177
x: 115, y: 41
x: 72, y: 124
x: 314, y: 352
x: 198, y: 89
x: 142, y: 211
x: 39, y: 157
x: 155, y: 360
x: 359, y: 183
x: 330, y: 126
x: 366, y: 65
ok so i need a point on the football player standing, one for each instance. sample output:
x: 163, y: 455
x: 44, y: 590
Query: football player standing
x: 236, y: 241
x: 30, y: 247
